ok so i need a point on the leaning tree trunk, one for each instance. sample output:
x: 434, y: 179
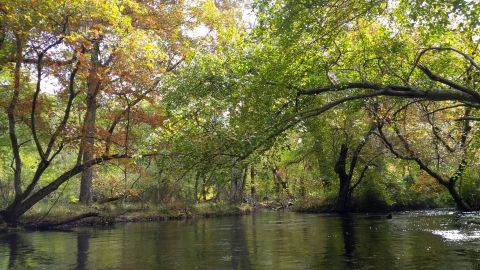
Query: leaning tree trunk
x: 93, y: 85
x: 459, y: 202
x: 449, y: 184
x: 236, y: 195
x: 24, y: 202
x: 204, y: 186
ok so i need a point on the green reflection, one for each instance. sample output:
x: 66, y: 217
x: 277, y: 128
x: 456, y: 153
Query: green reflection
x: 266, y: 240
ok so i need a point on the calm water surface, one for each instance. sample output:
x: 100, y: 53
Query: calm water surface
x: 266, y: 240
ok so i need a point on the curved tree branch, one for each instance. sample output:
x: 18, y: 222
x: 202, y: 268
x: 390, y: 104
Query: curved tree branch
x: 438, y: 78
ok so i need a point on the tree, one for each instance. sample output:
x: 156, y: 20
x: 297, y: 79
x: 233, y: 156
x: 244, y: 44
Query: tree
x: 367, y: 60
x: 345, y: 174
x: 61, y: 41
x: 441, y: 152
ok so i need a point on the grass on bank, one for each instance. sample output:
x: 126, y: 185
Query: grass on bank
x: 129, y: 212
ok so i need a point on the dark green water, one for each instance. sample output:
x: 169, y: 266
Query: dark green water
x: 266, y: 240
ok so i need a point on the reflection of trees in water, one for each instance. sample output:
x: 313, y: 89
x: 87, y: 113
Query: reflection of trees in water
x: 20, y: 250
x: 200, y: 236
x: 378, y: 245
x: 331, y: 242
x: 348, y: 232
x: 83, y: 244
x: 239, y: 247
x: 254, y: 234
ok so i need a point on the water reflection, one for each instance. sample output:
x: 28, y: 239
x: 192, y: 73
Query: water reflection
x: 13, y: 241
x: 82, y: 250
x: 348, y: 232
x: 268, y: 240
x: 18, y: 252
x: 238, y: 245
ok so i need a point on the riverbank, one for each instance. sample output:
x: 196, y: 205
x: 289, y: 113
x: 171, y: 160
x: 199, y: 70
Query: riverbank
x: 327, y: 205
x: 42, y: 217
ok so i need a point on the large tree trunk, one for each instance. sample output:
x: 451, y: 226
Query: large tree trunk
x: 17, y: 182
x: 204, y: 187
x: 345, y: 175
x: 236, y: 195
x: 244, y: 182
x: 93, y: 85
x: 253, y: 189
x: 10, y: 215
x: 195, y: 188
x: 343, y: 198
x: 301, y: 182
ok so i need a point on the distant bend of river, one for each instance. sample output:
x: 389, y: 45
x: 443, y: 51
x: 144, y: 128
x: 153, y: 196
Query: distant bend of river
x: 264, y: 240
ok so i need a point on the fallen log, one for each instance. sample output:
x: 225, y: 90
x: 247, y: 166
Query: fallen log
x: 45, y: 225
x: 112, y: 199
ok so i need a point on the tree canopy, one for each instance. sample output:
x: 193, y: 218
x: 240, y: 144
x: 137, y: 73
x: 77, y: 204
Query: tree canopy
x: 346, y: 105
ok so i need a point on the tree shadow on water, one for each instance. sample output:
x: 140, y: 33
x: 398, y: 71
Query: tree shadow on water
x: 349, y: 242
x: 239, y: 248
x: 19, y: 250
x: 83, y: 244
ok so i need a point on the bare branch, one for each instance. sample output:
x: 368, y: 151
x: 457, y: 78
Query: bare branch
x: 397, y: 91
x: 68, y: 108
x: 356, y: 153
x: 468, y: 118
x: 438, y: 78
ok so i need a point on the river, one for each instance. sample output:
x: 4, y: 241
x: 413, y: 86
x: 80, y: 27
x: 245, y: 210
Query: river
x: 265, y: 240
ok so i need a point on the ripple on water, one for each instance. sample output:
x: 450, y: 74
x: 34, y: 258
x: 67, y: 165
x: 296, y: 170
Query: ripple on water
x: 457, y: 235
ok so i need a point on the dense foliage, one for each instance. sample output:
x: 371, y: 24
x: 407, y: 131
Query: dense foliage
x: 326, y: 105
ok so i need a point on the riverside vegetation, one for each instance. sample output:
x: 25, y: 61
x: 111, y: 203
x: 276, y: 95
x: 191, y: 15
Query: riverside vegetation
x: 139, y: 109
